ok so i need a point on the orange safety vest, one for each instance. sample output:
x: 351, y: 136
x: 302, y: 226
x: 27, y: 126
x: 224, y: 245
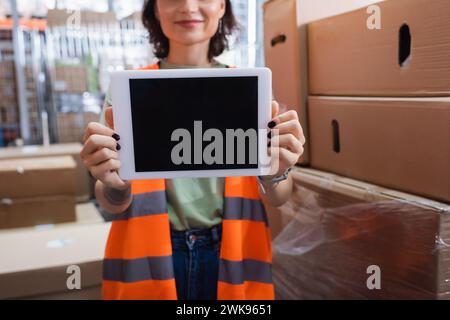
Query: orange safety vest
x: 138, y: 256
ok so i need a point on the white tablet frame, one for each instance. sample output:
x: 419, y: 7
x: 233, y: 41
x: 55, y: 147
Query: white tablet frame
x: 121, y: 102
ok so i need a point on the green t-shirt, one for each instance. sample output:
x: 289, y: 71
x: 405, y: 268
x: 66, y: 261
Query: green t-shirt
x: 193, y: 203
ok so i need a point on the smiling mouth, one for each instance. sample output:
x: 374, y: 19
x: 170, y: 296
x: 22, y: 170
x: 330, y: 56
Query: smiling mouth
x: 189, y: 23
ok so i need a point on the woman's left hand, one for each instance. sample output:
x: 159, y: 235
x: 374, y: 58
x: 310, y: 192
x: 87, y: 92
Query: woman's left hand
x: 286, y: 140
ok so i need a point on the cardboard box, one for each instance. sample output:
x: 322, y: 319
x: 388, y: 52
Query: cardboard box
x: 84, y: 182
x: 334, y: 228
x: 88, y: 213
x: 408, y: 56
x: 82, y: 213
x: 34, y: 177
x: 7, y: 69
x: 71, y: 78
x: 282, y: 54
x: 400, y: 143
x: 35, y: 266
x: 72, y: 125
x: 9, y: 115
x: 27, y: 212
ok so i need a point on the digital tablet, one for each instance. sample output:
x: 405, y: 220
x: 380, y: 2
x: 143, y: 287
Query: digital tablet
x: 182, y: 123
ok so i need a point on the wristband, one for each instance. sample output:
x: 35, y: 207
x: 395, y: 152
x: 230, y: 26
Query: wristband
x: 273, y: 181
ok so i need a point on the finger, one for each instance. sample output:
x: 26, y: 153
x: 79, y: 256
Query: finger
x: 97, y: 141
x: 282, y: 159
x: 109, y: 117
x: 288, y: 141
x: 104, y: 168
x: 276, y: 132
x: 288, y: 158
x: 97, y: 128
x: 275, y: 109
x: 100, y: 156
x: 291, y: 126
x: 286, y: 116
x: 274, y: 154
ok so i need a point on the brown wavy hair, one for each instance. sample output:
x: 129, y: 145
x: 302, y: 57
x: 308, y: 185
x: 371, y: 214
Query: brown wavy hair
x: 217, y: 44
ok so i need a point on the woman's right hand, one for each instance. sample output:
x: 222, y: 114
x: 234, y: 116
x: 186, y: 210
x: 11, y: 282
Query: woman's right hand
x: 100, y: 155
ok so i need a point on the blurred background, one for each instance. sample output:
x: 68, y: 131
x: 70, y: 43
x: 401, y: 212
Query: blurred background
x: 55, y: 56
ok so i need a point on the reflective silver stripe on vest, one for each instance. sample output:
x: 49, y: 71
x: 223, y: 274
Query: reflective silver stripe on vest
x: 236, y: 272
x: 244, y: 209
x: 143, y: 205
x: 134, y: 270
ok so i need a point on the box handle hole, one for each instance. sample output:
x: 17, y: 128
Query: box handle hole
x: 336, y: 138
x: 278, y: 40
x: 404, y: 50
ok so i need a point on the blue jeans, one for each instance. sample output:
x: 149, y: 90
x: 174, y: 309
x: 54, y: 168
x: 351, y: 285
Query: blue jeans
x: 196, y: 262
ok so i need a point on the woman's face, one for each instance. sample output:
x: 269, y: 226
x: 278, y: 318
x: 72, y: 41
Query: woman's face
x: 189, y: 21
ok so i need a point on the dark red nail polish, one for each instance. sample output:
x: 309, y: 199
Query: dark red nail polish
x: 116, y: 136
x: 118, y: 147
x: 272, y: 124
x: 269, y: 135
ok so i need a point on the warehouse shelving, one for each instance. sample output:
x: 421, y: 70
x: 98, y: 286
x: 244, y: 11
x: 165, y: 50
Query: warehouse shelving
x: 52, y: 48
x: 23, y: 100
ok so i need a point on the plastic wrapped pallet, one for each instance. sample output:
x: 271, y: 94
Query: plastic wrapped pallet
x: 334, y: 229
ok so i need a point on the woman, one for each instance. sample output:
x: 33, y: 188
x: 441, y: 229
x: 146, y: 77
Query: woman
x: 189, y: 238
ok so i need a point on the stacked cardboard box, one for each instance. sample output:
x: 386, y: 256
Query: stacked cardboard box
x: 5, y: 37
x: 356, y: 128
x: 37, y: 191
x: 72, y: 125
x: 71, y: 78
x: 398, y: 143
x: 407, y: 56
x: 37, y: 266
x: 334, y: 228
x: 282, y: 54
x: 7, y: 70
x: 378, y: 111
x: 84, y: 182
x: 9, y: 103
x: 9, y: 115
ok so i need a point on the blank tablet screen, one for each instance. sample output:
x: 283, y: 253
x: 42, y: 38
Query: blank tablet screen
x: 161, y: 106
